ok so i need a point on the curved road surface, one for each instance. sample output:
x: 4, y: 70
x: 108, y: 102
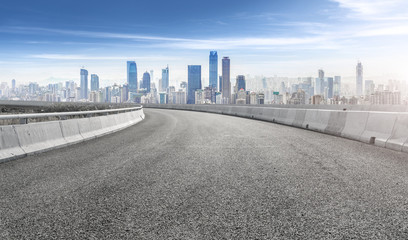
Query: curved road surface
x: 191, y: 175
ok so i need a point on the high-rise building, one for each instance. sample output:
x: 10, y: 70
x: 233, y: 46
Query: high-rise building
x: 220, y: 83
x: 337, y: 86
x: 213, y: 69
x: 108, y: 94
x: 359, y: 79
x: 94, y: 82
x: 132, y: 76
x: 13, y: 85
x: 146, y: 81
x: 369, y: 87
x: 165, y: 78
x: 84, y: 84
x: 124, y: 93
x: 226, y: 80
x: 194, y: 82
x: 240, y: 83
x: 321, y: 73
x: 319, y: 86
x: 330, y: 87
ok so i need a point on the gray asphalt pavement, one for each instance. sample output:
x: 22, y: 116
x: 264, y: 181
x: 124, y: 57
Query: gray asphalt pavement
x: 191, y: 175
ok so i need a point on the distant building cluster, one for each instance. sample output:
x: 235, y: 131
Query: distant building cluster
x: 245, y: 90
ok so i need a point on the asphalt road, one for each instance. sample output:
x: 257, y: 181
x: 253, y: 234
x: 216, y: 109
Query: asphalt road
x: 191, y: 175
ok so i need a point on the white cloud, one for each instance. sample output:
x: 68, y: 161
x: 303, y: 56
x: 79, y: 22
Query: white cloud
x: 185, y: 43
x: 376, y: 9
x: 384, y: 31
x: 87, y: 57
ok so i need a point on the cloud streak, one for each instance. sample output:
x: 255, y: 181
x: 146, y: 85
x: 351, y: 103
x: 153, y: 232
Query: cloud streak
x: 87, y: 57
x: 386, y: 10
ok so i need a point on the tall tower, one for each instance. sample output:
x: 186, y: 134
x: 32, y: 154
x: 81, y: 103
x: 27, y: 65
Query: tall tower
x: 194, y: 82
x: 330, y: 85
x: 132, y: 76
x: 84, y: 84
x: 146, y: 81
x: 94, y: 82
x: 226, y: 81
x: 213, y: 69
x: 240, y: 83
x: 13, y: 85
x: 337, y: 86
x: 359, y: 79
x: 321, y: 74
x: 165, y: 78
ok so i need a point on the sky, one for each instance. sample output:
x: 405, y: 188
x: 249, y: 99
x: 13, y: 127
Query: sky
x: 48, y: 41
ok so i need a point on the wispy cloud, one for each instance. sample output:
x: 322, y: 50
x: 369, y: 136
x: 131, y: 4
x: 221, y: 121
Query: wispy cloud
x: 186, y: 43
x: 376, y: 9
x: 87, y: 57
x: 398, y: 30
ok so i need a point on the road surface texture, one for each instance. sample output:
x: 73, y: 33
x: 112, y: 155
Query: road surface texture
x: 192, y: 175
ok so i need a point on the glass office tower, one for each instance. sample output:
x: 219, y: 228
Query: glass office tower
x: 194, y: 82
x: 213, y: 69
x: 132, y: 76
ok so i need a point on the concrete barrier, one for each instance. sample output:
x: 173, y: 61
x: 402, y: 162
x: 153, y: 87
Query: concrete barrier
x: 20, y: 140
x: 354, y: 125
x: 290, y: 117
x: 85, y: 128
x: 38, y: 137
x: 336, y: 123
x: 70, y: 131
x: 109, y: 123
x: 316, y: 120
x: 256, y: 113
x: 281, y: 114
x: 9, y: 144
x: 299, y: 118
x: 379, y: 126
x: 399, y: 135
x: 242, y: 111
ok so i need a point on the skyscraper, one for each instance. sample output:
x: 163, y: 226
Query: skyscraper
x: 146, y: 81
x: 330, y: 87
x: 213, y: 69
x: 220, y: 83
x: 319, y: 83
x: 165, y: 78
x: 226, y: 81
x: 13, y: 85
x: 94, y: 82
x: 108, y: 94
x: 369, y: 87
x: 132, y: 76
x: 194, y: 82
x: 321, y: 73
x: 337, y: 86
x: 84, y: 84
x: 318, y: 87
x: 240, y: 84
x: 359, y: 79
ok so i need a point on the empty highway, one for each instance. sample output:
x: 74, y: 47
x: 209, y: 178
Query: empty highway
x: 192, y: 175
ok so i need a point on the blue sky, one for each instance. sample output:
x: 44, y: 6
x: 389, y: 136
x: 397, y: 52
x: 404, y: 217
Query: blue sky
x: 50, y: 40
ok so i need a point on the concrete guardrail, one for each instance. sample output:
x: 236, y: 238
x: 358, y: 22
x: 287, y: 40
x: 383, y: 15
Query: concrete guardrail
x: 381, y: 128
x: 25, y: 139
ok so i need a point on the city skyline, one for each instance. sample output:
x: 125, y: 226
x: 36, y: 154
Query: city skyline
x: 269, y: 38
